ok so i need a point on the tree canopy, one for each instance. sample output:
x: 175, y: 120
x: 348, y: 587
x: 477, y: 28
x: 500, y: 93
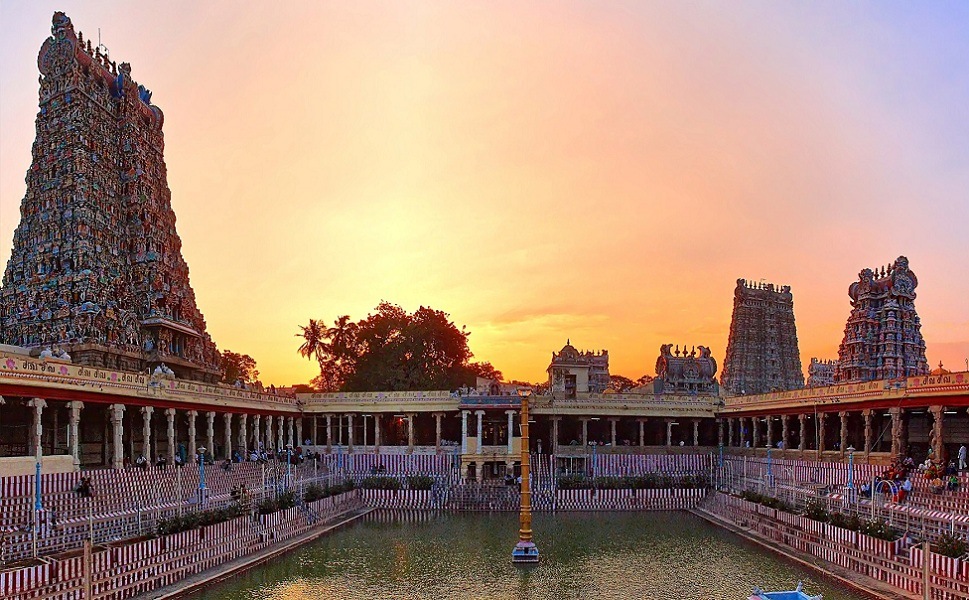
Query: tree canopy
x: 392, y: 349
x: 236, y: 367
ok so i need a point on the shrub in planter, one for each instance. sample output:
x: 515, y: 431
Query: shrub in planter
x: 851, y: 522
x: 950, y: 545
x: 380, y: 483
x: 314, y: 492
x: 267, y: 506
x: 420, y: 482
x: 816, y: 510
x: 573, y: 482
x: 880, y: 529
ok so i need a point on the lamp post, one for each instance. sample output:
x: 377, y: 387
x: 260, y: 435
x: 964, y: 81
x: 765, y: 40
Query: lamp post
x: 525, y: 551
x: 851, y: 473
x: 201, y: 461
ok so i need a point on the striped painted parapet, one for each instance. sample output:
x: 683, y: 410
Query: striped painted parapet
x: 956, y: 568
x: 401, y: 499
x: 619, y: 465
x: 624, y: 500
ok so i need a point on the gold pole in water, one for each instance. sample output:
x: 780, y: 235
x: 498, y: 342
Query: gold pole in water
x: 525, y: 551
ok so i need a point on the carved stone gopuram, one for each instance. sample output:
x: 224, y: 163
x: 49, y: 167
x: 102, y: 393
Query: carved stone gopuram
x: 762, y: 353
x: 96, y: 268
x: 883, y: 338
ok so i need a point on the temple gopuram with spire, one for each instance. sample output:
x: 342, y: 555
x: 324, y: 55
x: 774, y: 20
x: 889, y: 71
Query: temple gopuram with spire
x: 762, y: 353
x: 96, y: 272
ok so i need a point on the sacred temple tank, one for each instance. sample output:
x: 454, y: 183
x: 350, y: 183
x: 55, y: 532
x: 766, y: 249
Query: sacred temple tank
x: 762, y: 353
x: 96, y: 268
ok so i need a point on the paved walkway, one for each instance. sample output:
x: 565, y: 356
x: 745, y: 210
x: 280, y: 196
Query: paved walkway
x: 872, y: 588
x: 230, y: 569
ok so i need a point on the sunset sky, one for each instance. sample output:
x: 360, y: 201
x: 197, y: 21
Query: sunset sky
x: 596, y: 171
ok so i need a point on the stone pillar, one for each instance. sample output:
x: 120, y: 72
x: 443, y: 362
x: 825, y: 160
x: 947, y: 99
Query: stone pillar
x: 897, y: 416
x: 696, y: 432
x: 243, y: 435
x: 843, y: 441
x: 478, y: 470
x: 480, y: 414
x: 785, y: 431
x: 555, y: 434
x: 511, y: 424
x: 269, y: 433
x: 280, y: 439
x: 770, y: 432
x: 376, y: 431
x: 669, y: 432
x: 821, y: 418
x: 210, y: 433
x: 299, y: 431
x: 719, y: 432
x: 117, y: 427
x: 146, y: 412
x: 192, y: 449
x: 350, y: 436
x: 437, y: 432
x: 74, y: 419
x: 256, y: 432
x: 730, y: 422
x: 585, y: 431
x: 642, y: 432
x: 802, y: 436
x: 329, y: 433
x: 754, y: 432
x: 464, y: 431
x: 37, y: 429
x: 936, y: 438
x: 867, y: 415
x: 740, y: 432
x: 289, y: 432
x: 410, y: 432
x: 227, y: 420
x: 170, y: 416
x: 612, y: 428
x: 313, y: 430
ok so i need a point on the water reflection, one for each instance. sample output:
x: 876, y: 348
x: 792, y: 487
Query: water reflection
x: 604, y: 555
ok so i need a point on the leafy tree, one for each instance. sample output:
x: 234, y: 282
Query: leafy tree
x: 618, y: 383
x: 392, y: 349
x: 485, y: 370
x: 644, y: 380
x: 236, y: 367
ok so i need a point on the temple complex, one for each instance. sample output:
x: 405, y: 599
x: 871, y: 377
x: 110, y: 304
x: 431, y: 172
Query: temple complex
x: 572, y: 372
x: 762, y: 354
x: 883, y: 338
x: 821, y: 372
x: 96, y: 271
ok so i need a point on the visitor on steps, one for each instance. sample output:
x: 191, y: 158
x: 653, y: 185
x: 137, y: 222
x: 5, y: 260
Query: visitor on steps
x: 962, y: 457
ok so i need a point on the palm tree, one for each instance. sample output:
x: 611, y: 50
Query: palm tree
x: 314, y: 340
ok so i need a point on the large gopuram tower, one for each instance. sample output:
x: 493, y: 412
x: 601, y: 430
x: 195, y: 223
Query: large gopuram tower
x: 883, y: 338
x: 762, y: 354
x: 96, y: 268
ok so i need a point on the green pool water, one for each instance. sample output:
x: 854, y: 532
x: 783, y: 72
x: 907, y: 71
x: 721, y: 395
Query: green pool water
x: 584, y: 555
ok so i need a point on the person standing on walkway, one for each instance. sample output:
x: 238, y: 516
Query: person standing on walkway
x: 962, y: 457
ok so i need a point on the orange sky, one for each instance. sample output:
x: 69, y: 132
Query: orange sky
x: 541, y: 171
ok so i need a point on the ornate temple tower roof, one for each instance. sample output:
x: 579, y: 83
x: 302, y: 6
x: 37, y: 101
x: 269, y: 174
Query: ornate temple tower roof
x: 762, y: 353
x: 692, y: 372
x: 571, y: 371
x: 96, y: 267
x: 883, y: 338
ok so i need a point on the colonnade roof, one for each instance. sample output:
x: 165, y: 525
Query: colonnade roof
x: 949, y: 389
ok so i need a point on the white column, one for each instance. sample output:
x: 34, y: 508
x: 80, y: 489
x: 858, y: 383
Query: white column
x: 210, y: 433
x: 192, y: 449
x: 74, y: 420
x: 36, y: 434
x: 170, y: 415
x: 612, y: 426
x: 269, y: 433
x: 511, y: 433
x: 329, y: 433
x: 669, y: 432
x: 410, y: 433
x: 299, y: 431
x: 227, y: 419
x: 437, y: 430
x: 480, y: 414
x: 555, y: 434
x: 313, y: 430
x: 280, y: 440
x: 256, y: 432
x: 243, y: 434
x: 464, y: 431
x: 642, y: 432
x: 376, y: 431
x: 146, y: 412
x: 585, y: 431
x: 290, y: 431
x: 117, y: 427
x: 696, y: 432
x: 350, y: 433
